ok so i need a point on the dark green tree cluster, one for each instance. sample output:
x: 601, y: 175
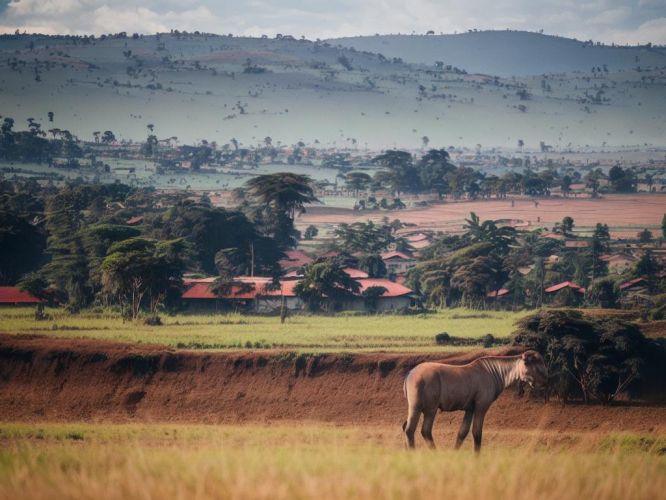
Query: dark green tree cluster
x: 588, y: 358
x: 434, y: 173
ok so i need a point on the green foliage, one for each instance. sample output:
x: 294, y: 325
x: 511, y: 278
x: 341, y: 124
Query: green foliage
x: 210, y: 231
x: 324, y: 285
x: 373, y: 264
x: 137, y: 271
x: 277, y: 198
x: 645, y: 236
x: 592, y: 358
x: 366, y: 237
x: 371, y: 296
x: 603, y: 292
x: 310, y: 232
x: 21, y: 247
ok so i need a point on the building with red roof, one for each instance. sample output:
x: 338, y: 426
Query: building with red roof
x: 261, y: 294
x: 565, y: 284
x: 295, y: 259
x: 13, y: 296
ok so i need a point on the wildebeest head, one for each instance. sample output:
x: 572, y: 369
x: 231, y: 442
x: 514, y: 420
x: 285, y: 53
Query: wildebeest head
x: 532, y: 369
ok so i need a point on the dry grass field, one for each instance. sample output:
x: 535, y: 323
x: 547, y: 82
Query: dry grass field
x: 625, y: 214
x: 317, y: 461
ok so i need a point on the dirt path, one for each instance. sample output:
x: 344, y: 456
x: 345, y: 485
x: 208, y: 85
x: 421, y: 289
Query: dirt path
x: 44, y: 379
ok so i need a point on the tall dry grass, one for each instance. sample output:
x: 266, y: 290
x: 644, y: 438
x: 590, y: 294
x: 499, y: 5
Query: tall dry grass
x: 120, y: 462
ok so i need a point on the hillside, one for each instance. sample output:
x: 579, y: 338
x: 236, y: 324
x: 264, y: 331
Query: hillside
x: 197, y: 87
x: 507, y: 53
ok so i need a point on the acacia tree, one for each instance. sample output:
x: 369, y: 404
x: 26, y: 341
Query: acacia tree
x: 139, y: 270
x: 434, y: 169
x: 278, y: 197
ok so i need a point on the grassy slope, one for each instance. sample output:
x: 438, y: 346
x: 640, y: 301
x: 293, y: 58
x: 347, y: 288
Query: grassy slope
x: 303, y: 333
x: 377, y: 103
x: 166, y: 461
x: 506, y: 53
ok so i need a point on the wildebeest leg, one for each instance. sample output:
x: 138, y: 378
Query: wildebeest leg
x: 410, y: 426
x: 464, y: 427
x: 426, y: 428
x: 477, y: 428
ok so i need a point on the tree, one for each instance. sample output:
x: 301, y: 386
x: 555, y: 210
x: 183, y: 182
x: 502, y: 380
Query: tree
x: 603, y: 292
x: 565, y: 185
x: 434, y: 169
x: 398, y: 172
x: 278, y: 198
x: 310, y: 232
x: 139, y: 272
x: 567, y: 225
x: 371, y: 297
x: 21, y: 247
x: 366, y: 237
x: 476, y: 278
x: 357, y: 181
x: 324, y: 285
x: 593, y: 359
x: 592, y: 180
x: 622, y: 180
x: 500, y: 237
x: 108, y: 137
x: 373, y: 264
x: 210, y: 230
x: 645, y: 236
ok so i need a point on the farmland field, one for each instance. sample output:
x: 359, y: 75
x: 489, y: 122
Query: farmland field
x: 624, y: 214
x: 322, y: 461
x: 300, y: 332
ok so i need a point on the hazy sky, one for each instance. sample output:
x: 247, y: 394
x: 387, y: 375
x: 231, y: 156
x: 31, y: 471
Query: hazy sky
x: 619, y: 21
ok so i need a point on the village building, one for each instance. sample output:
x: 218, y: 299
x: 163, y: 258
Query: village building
x: 263, y: 295
x: 13, y: 296
x: 295, y: 259
x: 398, y: 262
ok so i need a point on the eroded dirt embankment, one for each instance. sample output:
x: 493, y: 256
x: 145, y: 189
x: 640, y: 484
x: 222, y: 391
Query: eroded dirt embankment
x: 44, y: 379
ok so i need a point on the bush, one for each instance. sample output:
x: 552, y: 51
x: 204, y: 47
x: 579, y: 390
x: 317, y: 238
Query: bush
x: 153, y: 321
x: 443, y: 338
x: 593, y: 358
x: 488, y: 340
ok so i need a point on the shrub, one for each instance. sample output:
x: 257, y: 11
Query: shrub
x: 443, y: 338
x: 593, y: 358
x: 153, y: 321
x: 488, y: 340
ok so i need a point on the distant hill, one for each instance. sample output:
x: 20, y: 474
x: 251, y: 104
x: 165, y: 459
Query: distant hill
x: 507, y: 53
x: 199, y: 86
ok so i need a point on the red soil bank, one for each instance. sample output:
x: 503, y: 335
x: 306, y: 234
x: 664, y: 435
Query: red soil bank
x: 44, y: 379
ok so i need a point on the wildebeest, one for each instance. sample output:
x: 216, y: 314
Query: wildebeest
x: 471, y: 388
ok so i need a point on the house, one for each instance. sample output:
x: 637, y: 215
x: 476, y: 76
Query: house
x: 13, y: 296
x: 564, y: 285
x: 576, y: 244
x: 295, y: 259
x: 262, y: 295
x: 419, y: 241
x: 398, y: 262
x: 134, y: 221
x: 498, y: 294
x: 565, y: 293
